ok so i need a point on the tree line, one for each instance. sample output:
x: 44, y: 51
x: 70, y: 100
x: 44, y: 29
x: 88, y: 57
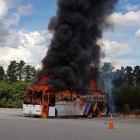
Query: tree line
x: 17, y: 71
x: 13, y: 82
x: 124, y: 85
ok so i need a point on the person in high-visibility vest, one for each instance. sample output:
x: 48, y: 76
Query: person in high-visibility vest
x: 45, y: 106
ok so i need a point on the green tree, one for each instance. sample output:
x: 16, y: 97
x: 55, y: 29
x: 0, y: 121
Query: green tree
x: 107, y: 68
x: 127, y: 94
x: 12, y: 71
x: 2, y: 73
x: 119, y: 77
x: 11, y: 94
x: 129, y: 75
x: 137, y: 75
x: 20, y: 70
x: 29, y: 72
x: 106, y: 74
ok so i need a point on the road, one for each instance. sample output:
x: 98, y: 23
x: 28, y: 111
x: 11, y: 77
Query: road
x: 13, y: 126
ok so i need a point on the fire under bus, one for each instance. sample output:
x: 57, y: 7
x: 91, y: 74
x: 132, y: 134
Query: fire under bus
x: 39, y: 101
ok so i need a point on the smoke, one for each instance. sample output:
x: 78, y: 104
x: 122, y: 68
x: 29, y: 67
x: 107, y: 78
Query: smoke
x: 108, y: 87
x: 73, y: 52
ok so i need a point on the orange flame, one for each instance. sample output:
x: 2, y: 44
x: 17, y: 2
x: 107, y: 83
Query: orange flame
x: 93, y: 84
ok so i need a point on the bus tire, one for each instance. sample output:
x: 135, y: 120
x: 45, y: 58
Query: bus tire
x: 56, y: 113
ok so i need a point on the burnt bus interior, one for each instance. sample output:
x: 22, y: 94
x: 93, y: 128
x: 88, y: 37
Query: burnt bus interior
x: 34, y: 97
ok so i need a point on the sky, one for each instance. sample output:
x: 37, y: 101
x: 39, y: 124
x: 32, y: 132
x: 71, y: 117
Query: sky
x: 24, y: 34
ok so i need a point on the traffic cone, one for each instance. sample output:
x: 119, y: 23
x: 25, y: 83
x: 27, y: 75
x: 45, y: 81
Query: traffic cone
x: 111, y: 124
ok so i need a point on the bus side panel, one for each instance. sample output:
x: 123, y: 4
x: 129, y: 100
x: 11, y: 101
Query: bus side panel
x: 32, y: 109
x: 69, y: 108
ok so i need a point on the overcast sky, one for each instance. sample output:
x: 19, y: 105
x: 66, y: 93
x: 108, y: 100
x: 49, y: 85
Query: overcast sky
x: 24, y: 34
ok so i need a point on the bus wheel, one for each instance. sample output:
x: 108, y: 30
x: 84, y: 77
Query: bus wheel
x: 56, y: 113
x: 96, y: 113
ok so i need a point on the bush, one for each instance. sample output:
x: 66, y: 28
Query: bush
x: 137, y: 112
x: 17, y: 104
x: 4, y: 102
x: 125, y: 109
x: 129, y: 95
x: 11, y: 95
x: 9, y: 103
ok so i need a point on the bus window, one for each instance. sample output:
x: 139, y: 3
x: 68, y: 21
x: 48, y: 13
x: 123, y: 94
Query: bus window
x: 27, y: 97
x: 52, y: 100
x: 36, y: 97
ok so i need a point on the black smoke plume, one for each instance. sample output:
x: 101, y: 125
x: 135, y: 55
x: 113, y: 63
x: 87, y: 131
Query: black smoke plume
x: 73, y: 53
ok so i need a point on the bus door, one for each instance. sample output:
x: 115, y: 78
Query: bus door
x: 45, y: 104
x: 52, y: 100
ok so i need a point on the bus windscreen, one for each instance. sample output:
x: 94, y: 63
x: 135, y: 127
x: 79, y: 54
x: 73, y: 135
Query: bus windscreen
x: 33, y: 97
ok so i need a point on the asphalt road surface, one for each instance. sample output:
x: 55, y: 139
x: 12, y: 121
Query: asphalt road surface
x: 13, y: 126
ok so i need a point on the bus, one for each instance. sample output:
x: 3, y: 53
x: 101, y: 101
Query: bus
x: 39, y: 101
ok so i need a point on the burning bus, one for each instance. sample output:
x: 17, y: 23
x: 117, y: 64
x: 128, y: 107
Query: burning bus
x: 40, y: 101
x: 72, y: 62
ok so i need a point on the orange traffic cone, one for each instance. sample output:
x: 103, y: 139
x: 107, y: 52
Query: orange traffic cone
x: 111, y: 124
